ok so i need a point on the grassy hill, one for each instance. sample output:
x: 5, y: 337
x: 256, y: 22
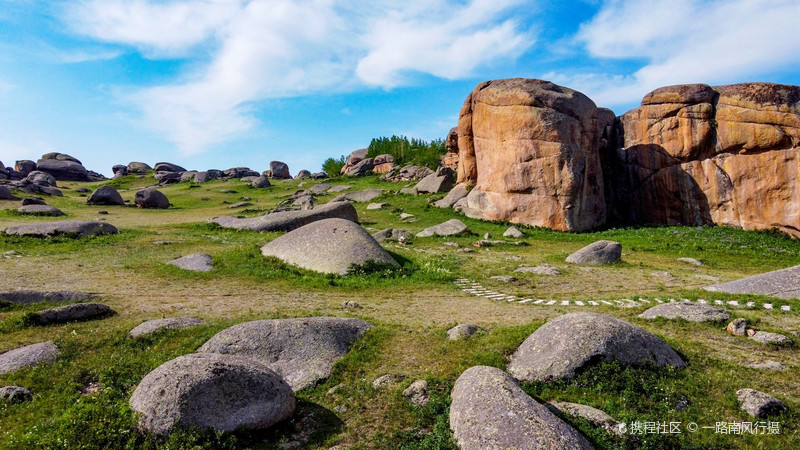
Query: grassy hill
x: 411, y: 308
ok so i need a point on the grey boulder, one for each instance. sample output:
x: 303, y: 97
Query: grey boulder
x: 290, y: 220
x: 138, y: 167
x: 25, y: 297
x: 170, y: 323
x: 541, y: 269
x: 567, y: 344
x: 301, y: 350
x: 595, y: 417
x: 88, y: 228
x: 302, y: 175
x: 359, y: 196
x: 150, y: 198
x: 105, y: 195
x: 15, y: 394
x: 328, y: 246
x: 393, y: 235
x: 221, y: 392
x: 600, y: 252
x: 455, y: 194
x: 30, y: 355
x: 41, y: 178
x: 440, y: 181
x: 279, y: 170
x: 5, y: 192
x: 692, y: 312
x: 64, y: 170
x: 462, y: 331
x: 260, y: 182
x: 490, y: 410
x: 196, y: 262
x: 449, y: 228
x: 513, y: 232
x: 766, y: 337
x: 759, y: 404
x: 40, y: 210
x: 167, y: 167
x: 784, y: 283
x: 71, y: 313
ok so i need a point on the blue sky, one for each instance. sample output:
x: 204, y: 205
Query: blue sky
x: 225, y: 83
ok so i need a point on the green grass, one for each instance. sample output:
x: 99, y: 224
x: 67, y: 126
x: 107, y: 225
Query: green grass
x: 411, y: 307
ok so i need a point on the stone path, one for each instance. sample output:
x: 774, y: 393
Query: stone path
x: 476, y: 289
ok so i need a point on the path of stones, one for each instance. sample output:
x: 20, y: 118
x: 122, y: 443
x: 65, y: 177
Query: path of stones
x: 474, y: 288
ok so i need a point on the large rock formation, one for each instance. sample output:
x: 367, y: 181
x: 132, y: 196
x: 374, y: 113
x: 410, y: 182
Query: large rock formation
x: 63, y: 167
x: 531, y: 149
x: 690, y: 155
x: 697, y: 155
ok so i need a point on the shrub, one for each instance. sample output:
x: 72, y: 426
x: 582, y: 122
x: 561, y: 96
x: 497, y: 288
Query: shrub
x: 405, y: 151
x: 333, y: 167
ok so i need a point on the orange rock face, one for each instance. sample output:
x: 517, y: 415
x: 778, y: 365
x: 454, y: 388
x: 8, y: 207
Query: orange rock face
x: 727, y: 155
x: 530, y: 149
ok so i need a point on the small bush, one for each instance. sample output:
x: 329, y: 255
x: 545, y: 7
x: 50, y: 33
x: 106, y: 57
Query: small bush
x: 333, y: 167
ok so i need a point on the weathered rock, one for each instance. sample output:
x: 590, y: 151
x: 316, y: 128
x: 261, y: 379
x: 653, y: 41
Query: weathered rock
x: 41, y: 178
x: 328, y: 246
x: 410, y: 191
x: 239, y: 205
x: 5, y: 193
x: 692, y: 312
x: 567, y: 344
x: 170, y: 323
x: 504, y: 278
x: 24, y: 167
x: 88, y: 228
x: 691, y: 261
x: 33, y: 201
x: 196, y: 262
x: 738, y: 327
x: 784, y: 283
x: 301, y: 350
x: 261, y: 182
x: 455, y: 194
x: 63, y: 167
x: 358, y: 196
x: 407, y: 173
x: 386, y: 380
x: 440, y: 181
x: 541, y: 269
x: 375, y: 206
x: 531, y: 149
x: 150, y: 198
x: 31, y: 188
x: 29, y: 355
x: 449, y: 228
x: 221, y: 392
x: 279, y: 170
x: 168, y: 177
x: 139, y: 168
x: 290, y: 220
x: 339, y: 188
x: 513, y: 232
x: 119, y: 170
x: 462, y: 331
x: 188, y: 176
x: 319, y: 188
x: 305, y: 202
x: 766, y: 337
x: 25, y: 297
x: 597, y: 253
x: 767, y: 365
x: 698, y: 155
x: 352, y: 160
x: 302, y: 175
x: 201, y: 177
x: 393, y: 235
x: 71, y: 313
x: 417, y: 392
x: 319, y: 176
x: 15, y: 394
x: 167, y: 167
x: 105, y: 195
x: 758, y: 404
x: 450, y: 159
x: 40, y: 210
x: 240, y: 172
x: 595, y: 417
x: 490, y: 410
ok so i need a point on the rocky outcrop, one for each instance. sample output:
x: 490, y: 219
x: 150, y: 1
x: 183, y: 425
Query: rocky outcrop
x: 105, y: 195
x: 530, y: 148
x: 450, y: 158
x: 691, y: 312
x: 357, y: 163
x: 597, y: 253
x: 196, y: 262
x: 784, y: 283
x: 279, y: 171
x: 290, y: 220
x: 169, y: 323
x: 70, y: 228
x: 697, y: 155
x: 150, y: 198
x: 63, y: 167
x: 71, y: 313
x: 544, y: 155
x: 29, y: 355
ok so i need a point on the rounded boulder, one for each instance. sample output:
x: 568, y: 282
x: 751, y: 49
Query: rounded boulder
x: 221, y: 392
x: 151, y: 199
x: 567, y: 344
x: 105, y: 195
x: 328, y: 246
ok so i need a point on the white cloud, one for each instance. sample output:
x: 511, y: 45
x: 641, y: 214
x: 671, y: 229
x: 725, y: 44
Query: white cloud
x: 687, y: 42
x: 265, y: 49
